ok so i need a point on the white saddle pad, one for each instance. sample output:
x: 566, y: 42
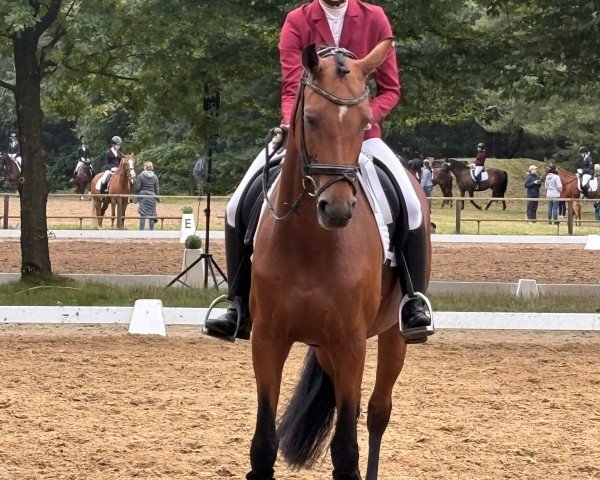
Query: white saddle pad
x: 484, y: 175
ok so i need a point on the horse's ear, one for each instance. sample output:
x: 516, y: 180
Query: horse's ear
x: 376, y: 57
x: 310, y: 59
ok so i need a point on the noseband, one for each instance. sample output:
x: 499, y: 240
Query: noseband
x: 339, y: 172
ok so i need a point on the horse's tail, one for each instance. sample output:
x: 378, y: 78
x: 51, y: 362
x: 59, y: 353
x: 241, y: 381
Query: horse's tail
x: 308, y: 418
x: 501, y: 189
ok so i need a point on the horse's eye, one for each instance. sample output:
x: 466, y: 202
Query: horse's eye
x: 310, y: 121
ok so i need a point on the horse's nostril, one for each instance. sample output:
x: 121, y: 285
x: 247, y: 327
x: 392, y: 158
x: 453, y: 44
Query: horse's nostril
x: 322, y: 205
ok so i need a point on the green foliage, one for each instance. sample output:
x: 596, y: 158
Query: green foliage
x: 187, y: 209
x: 193, y: 242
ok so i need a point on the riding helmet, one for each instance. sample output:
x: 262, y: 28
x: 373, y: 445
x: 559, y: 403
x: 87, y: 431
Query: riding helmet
x: 584, y: 150
x: 480, y: 145
x: 13, y: 135
x: 116, y: 140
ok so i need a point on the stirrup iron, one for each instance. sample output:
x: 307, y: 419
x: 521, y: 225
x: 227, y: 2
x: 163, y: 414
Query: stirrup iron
x: 416, y: 333
x: 238, y: 308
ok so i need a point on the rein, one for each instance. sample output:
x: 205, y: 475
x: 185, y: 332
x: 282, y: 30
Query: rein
x: 309, y: 169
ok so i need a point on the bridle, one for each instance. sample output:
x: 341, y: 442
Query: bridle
x: 347, y: 173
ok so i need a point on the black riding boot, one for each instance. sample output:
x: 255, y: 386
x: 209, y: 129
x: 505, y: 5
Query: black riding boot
x: 412, y: 265
x: 238, y: 275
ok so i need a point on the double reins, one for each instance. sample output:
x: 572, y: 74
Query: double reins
x: 310, y: 168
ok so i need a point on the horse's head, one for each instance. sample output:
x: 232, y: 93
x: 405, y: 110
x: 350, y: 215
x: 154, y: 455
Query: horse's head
x: 127, y: 165
x: 331, y: 118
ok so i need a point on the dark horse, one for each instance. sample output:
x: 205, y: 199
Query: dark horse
x: 497, y: 180
x: 317, y: 279
x: 9, y: 170
x: 83, y: 179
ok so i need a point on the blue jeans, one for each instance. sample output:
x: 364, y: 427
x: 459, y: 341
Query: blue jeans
x: 553, y: 209
x: 428, y: 194
x: 151, y: 222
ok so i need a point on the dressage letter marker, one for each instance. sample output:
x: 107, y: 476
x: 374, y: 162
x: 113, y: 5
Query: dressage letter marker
x: 188, y: 226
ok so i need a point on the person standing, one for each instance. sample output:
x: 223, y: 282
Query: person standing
x: 553, y: 190
x: 199, y: 172
x: 532, y: 185
x: 479, y: 164
x: 146, y: 183
x: 427, y: 180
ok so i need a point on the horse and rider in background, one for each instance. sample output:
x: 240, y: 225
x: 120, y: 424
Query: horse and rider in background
x: 495, y: 179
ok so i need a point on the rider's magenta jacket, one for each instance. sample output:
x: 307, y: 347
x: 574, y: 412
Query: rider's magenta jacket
x: 365, y: 25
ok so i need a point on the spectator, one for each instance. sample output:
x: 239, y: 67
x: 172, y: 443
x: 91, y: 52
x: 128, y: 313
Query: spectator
x: 146, y: 183
x: 427, y: 180
x: 199, y: 172
x: 597, y: 210
x: 562, y: 209
x: 532, y: 185
x: 553, y: 189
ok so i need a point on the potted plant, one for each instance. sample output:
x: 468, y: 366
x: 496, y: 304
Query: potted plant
x: 194, y: 277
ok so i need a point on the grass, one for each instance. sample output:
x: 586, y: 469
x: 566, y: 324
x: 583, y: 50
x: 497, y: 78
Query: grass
x: 58, y: 291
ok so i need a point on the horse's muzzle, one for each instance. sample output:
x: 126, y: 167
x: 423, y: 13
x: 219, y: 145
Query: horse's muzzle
x: 335, y: 212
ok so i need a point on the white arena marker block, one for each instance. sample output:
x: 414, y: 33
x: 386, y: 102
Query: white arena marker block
x: 593, y: 242
x: 147, y: 318
x: 527, y: 288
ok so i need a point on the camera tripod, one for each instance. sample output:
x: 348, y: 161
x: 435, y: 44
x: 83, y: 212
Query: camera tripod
x: 210, y: 263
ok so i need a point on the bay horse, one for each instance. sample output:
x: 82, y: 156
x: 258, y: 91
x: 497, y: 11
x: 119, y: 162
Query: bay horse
x: 569, y: 190
x: 497, y: 181
x: 9, y: 170
x: 318, y: 277
x: 120, y: 183
x: 83, y: 179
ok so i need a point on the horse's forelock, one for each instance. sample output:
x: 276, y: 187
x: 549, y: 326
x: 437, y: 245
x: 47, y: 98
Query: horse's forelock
x: 341, y: 64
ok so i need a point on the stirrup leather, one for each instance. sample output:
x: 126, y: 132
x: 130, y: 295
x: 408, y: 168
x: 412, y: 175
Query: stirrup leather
x: 238, y: 308
x: 416, y: 332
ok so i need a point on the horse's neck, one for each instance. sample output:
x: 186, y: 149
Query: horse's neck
x: 120, y: 181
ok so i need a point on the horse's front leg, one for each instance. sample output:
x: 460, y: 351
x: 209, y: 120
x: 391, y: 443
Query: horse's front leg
x: 112, y: 213
x: 390, y: 360
x: 348, y: 360
x: 268, y: 357
x: 462, y: 195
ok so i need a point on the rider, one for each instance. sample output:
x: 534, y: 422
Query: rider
x: 14, y: 149
x: 479, y: 163
x: 112, y: 160
x: 587, y: 168
x: 358, y: 27
x: 83, y: 157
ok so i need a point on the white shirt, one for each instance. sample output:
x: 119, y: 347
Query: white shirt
x: 335, y: 18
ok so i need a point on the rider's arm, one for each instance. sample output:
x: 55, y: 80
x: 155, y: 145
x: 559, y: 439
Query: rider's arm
x: 387, y: 76
x: 290, y: 59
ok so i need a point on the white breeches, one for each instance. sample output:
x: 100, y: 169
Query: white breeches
x: 585, y: 179
x: 478, y: 169
x: 108, y: 174
x: 79, y: 165
x: 374, y: 147
x: 16, y: 158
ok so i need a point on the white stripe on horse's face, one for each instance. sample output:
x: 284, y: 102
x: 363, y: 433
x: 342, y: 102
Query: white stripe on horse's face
x: 343, y: 110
